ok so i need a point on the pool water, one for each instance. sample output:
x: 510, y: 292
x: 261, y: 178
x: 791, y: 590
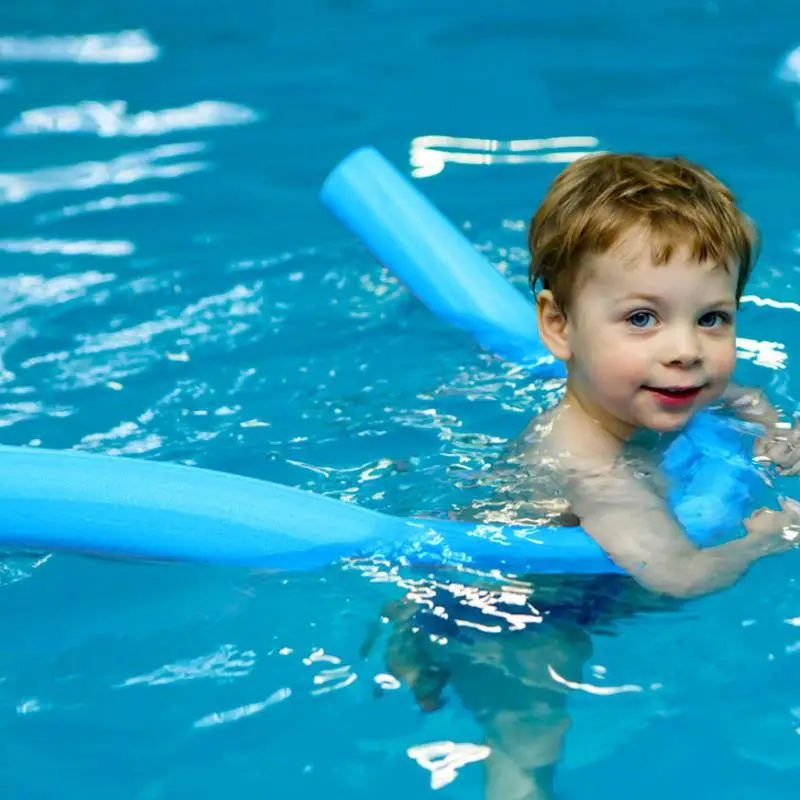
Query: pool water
x: 172, y: 289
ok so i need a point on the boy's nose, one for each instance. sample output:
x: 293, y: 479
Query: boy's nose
x: 684, y: 349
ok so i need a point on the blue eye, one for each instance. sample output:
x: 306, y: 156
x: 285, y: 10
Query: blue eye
x: 714, y: 319
x: 641, y: 319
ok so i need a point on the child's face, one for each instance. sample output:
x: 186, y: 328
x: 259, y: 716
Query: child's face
x: 651, y: 345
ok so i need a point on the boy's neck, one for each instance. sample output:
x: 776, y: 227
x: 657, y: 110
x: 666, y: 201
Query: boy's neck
x: 603, y: 429
x: 578, y: 404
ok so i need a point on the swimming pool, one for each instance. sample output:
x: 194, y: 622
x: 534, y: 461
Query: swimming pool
x: 171, y: 289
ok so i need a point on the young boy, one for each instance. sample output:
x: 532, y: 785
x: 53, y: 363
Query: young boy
x: 642, y: 262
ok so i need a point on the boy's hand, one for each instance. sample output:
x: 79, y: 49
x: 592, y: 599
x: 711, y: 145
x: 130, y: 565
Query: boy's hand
x: 776, y: 531
x: 781, y: 446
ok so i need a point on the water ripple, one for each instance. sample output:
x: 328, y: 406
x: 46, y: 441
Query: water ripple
x: 225, y: 663
x: 444, y: 759
x: 242, y: 712
x: 431, y: 153
x: 68, y: 247
x: 789, y: 69
x: 125, y: 169
x: 111, y: 203
x: 125, y: 47
x: 112, y: 119
x: 26, y: 292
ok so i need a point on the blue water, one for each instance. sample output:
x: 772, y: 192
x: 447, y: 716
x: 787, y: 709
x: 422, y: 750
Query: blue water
x: 172, y: 289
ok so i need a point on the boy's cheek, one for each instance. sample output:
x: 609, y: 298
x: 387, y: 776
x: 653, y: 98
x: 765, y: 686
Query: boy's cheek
x: 728, y: 361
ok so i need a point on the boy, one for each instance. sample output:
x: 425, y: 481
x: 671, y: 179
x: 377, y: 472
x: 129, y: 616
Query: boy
x: 642, y: 262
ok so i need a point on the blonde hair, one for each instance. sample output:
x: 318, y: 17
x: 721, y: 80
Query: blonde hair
x: 599, y: 198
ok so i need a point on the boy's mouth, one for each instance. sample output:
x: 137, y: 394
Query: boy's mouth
x: 675, y: 396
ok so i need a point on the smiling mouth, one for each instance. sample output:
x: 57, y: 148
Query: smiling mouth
x: 674, y: 396
x: 675, y: 391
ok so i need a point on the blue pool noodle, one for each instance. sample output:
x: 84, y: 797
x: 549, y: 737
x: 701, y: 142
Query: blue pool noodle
x: 418, y: 244
x: 130, y: 508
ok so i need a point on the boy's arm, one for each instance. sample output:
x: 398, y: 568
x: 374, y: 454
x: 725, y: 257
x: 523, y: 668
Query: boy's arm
x: 642, y: 536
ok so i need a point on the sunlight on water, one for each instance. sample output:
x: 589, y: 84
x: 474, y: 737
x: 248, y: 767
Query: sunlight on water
x: 430, y: 154
x: 89, y: 175
x: 242, y: 712
x: 789, y: 70
x: 80, y: 247
x: 227, y: 662
x: 444, y: 759
x: 112, y: 119
x: 126, y: 47
x: 108, y: 204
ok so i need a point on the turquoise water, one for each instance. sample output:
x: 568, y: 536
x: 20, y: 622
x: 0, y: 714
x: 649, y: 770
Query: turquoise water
x: 171, y: 289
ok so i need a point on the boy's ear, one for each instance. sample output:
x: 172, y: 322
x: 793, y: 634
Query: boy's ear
x: 552, y: 326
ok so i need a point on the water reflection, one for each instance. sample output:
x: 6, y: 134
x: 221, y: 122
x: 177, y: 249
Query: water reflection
x: 109, y: 204
x: 789, y: 69
x: 20, y: 292
x: 444, y: 759
x: 125, y: 47
x: 66, y: 247
x: 112, y: 119
x: 86, y: 175
x: 430, y: 154
x: 223, y: 664
x: 770, y: 303
x: 789, y: 72
x: 762, y: 353
x: 242, y: 712
x: 18, y: 566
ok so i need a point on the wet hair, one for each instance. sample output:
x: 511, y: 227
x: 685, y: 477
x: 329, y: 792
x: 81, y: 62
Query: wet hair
x: 598, y: 199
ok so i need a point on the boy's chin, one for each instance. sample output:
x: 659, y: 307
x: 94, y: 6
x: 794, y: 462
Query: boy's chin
x: 670, y: 423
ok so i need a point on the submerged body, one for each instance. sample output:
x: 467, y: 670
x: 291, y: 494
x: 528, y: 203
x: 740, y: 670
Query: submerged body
x: 513, y: 648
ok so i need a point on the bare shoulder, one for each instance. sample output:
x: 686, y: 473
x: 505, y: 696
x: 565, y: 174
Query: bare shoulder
x: 595, y: 472
x: 524, y: 485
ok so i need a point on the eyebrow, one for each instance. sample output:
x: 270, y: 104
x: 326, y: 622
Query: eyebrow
x: 645, y: 298
x: 653, y: 300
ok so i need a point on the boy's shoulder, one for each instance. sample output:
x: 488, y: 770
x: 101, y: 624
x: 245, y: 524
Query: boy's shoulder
x: 567, y: 441
x: 587, y: 464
